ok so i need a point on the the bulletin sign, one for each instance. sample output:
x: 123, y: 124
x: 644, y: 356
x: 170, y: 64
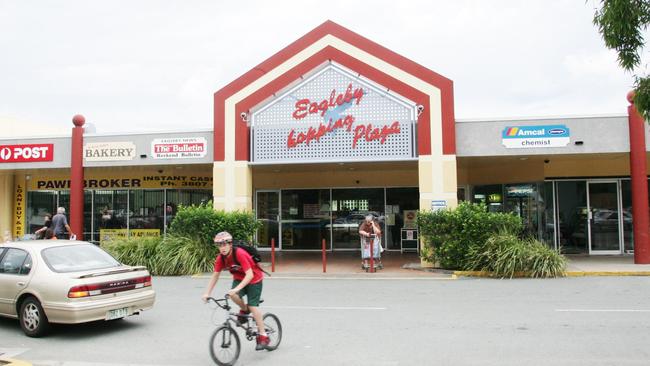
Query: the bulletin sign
x: 179, y: 148
x: 125, y: 181
x: 106, y: 235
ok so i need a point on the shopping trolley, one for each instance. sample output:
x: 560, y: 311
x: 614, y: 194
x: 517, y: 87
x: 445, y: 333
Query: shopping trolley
x: 366, y: 242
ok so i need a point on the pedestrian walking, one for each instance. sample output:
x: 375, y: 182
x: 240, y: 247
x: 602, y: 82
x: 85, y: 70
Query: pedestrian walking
x: 60, y: 225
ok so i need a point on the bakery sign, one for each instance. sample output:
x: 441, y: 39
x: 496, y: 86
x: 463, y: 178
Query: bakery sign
x: 334, y: 116
x: 179, y: 148
x: 109, y: 151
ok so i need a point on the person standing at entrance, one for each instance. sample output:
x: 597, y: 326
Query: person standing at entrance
x: 60, y: 224
x: 370, y: 231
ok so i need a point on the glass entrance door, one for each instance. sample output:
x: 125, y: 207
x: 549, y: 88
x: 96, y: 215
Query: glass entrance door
x: 604, y: 218
x: 268, y: 213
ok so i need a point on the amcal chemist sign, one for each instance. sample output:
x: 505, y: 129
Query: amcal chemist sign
x: 530, y: 137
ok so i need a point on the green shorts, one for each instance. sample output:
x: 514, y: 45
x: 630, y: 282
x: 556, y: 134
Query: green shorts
x: 253, y: 292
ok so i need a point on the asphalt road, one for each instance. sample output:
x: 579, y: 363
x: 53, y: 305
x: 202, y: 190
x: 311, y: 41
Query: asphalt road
x: 569, y: 321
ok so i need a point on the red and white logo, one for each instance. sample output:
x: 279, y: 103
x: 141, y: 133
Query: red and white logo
x: 26, y: 153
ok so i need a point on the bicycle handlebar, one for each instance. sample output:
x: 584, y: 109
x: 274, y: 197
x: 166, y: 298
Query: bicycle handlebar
x: 219, y: 302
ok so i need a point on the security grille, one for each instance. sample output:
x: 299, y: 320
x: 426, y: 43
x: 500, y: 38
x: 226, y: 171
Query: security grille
x: 377, y: 125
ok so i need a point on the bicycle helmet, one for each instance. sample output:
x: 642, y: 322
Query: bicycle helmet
x: 222, y: 237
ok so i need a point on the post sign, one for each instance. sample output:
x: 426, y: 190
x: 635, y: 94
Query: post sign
x: 28, y: 153
x: 179, y: 148
x: 334, y: 116
x: 530, y: 137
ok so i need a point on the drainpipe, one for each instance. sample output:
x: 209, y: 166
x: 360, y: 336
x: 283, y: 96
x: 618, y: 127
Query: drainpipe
x: 77, y: 177
x: 639, y: 175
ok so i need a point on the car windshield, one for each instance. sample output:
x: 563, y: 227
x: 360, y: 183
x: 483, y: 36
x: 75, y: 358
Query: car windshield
x: 75, y: 258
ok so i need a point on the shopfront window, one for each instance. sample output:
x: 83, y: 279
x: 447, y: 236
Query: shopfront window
x: 177, y: 197
x: 39, y: 203
x: 111, y: 214
x: 572, y: 216
x: 547, y: 205
x: 522, y: 200
x: 398, y: 201
x: 628, y: 233
x: 305, y: 218
x: 349, y: 208
x: 147, y: 206
x: 490, y: 195
x: 526, y: 200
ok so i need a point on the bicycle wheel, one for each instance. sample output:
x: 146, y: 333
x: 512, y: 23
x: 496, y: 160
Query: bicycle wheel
x: 224, y: 346
x: 273, y: 330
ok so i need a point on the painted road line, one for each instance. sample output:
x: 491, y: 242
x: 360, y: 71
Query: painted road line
x: 603, y: 310
x: 453, y: 277
x: 325, y: 308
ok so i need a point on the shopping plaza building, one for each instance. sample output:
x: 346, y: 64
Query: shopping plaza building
x: 330, y: 129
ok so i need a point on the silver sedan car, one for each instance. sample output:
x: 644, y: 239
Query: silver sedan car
x: 60, y: 281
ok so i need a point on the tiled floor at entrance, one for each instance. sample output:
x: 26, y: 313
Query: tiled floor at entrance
x: 342, y: 262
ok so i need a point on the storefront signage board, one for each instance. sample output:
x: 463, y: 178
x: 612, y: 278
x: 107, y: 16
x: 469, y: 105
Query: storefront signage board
x: 29, y: 153
x: 179, y: 148
x: 523, y: 190
x: 19, y: 207
x: 109, y: 151
x: 106, y: 235
x: 125, y: 181
x: 334, y: 116
x: 410, y: 219
x: 437, y: 205
x: 532, y: 137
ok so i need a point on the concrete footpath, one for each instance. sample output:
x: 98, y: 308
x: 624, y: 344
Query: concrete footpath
x: 348, y: 264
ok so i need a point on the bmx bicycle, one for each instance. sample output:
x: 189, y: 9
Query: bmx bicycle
x: 224, y: 342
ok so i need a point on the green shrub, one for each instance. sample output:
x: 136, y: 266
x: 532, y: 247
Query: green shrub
x: 184, y: 256
x: 202, y: 223
x: 505, y: 255
x: 187, y: 249
x: 452, y: 233
x: 135, y: 251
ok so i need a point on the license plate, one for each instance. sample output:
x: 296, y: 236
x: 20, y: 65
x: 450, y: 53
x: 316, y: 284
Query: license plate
x: 117, y: 313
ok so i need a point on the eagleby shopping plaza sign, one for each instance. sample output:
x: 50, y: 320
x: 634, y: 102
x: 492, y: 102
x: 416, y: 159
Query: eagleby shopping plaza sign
x: 333, y: 116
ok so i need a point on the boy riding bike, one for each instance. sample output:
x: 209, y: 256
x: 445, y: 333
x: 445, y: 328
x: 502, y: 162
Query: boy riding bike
x: 247, y: 281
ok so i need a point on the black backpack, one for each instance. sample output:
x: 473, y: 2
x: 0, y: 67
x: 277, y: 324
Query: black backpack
x: 251, y: 250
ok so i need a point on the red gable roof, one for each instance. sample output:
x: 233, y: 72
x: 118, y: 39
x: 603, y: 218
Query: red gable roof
x: 330, y: 53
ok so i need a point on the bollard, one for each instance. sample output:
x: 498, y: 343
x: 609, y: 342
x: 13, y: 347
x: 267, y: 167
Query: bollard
x: 324, y: 258
x: 372, y: 255
x: 272, y: 254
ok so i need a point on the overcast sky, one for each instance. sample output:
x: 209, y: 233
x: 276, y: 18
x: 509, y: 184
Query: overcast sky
x: 154, y: 65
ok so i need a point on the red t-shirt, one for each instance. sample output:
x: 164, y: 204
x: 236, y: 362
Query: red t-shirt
x: 239, y: 271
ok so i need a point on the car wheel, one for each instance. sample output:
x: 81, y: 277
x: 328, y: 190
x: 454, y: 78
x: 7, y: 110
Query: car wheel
x: 32, y: 318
